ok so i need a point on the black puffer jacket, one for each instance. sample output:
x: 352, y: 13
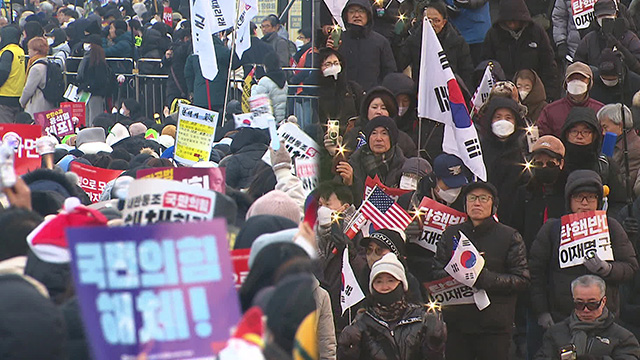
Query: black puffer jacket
x: 505, y: 273
x: 551, y: 285
x: 370, y: 338
x: 531, y: 50
x: 368, y: 55
x: 247, y: 149
x: 624, y: 40
x: 176, y: 83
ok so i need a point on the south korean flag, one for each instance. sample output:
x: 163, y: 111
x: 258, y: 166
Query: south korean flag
x: 465, y: 266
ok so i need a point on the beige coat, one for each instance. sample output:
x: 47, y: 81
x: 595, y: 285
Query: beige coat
x: 326, y: 330
x: 32, y: 99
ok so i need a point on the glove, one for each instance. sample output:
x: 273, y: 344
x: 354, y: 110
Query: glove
x: 413, y: 231
x: 436, y: 330
x: 563, y: 50
x: 598, y: 266
x: 631, y: 226
x: 281, y: 158
x: 545, y: 320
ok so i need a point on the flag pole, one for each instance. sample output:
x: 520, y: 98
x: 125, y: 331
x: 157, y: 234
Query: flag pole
x: 233, y: 50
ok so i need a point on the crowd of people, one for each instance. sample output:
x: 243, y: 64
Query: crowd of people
x: 558, y: 139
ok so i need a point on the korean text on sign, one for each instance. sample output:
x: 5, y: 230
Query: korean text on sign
x: 583, y: 13
x: 195, y: 134
x: 93, y: 179
x: 436, y: 217
x: 169, y: 285
x: 23, y: 139
x: 448, y: 291
x: 582, y: 236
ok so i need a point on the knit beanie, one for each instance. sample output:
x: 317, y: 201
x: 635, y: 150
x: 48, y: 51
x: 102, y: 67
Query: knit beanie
x: 391, y: 265
x: 385, y: 122
x: 276, y: 202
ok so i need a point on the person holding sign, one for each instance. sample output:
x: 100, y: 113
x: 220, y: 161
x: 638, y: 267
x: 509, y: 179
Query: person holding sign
x: 392, y: 328
x: 553, y: 259
x: 590, y: 331
x: 484, y: 334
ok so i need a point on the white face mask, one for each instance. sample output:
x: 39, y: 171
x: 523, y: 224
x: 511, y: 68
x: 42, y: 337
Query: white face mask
x: 523, y: 94
x: 299, y: 43
x: 408, y: 183
x: 503, y: 128
x: 86, y: 47
x: 324, y: 215
x: 599, y: 20
x: 121, y: 111
x: 50, y: 41
x: 402, y: 110
x: 449, y: 196
x: 609, y: 83
x: 577, y: 87
x: 332, y: 71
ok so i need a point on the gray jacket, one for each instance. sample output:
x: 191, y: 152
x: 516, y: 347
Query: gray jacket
x: 32, y: 99
x: 564, y: 29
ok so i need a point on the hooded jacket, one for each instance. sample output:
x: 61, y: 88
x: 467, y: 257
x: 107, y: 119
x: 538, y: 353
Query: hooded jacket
x: 504, y: 158
x: 368, y: 55
x: 197, y: 84
x: 594, y: 42
x: 247, y: 149
x: 536, y: 100
x: 528, y: 48
x: 551, y: 285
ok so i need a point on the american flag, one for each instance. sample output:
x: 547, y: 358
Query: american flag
x: 383, y: 212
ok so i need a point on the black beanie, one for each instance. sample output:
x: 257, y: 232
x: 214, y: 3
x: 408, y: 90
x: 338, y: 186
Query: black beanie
x: 385, y: 122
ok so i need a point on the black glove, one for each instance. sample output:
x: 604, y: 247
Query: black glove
x: 563, y: 50
x: 413, y: 231
x: 338, y: 238
x: 436, y: 330
x: 631, y: 226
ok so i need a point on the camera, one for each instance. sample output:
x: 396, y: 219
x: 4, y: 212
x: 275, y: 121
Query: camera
x: 333, y: 129
x: 568, y: 352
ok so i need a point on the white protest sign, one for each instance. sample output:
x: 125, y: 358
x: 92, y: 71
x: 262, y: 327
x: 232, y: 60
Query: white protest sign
x: 156, y: 200
x: 436, y: 217
x: 298, y: 143
x: 307, y: 170
x: 582, y: 13
x: 582, y: 236
x: 466, y: 263
x: 448, y: 291
x: 195, y: 133
x: 262, y: 114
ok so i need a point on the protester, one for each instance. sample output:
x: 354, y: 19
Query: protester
x: 94, y: 77
x: 531, y: 92
x: 613, y: 82
x: 274, y: 85
x: 12, y: 73
x: 270, y: 28
x: 32, y: 98
x: 473, y: 20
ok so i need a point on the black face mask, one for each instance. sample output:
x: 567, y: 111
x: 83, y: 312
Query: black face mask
x: 547, y: 175
x: 580, y: 156
x: 389, y: 298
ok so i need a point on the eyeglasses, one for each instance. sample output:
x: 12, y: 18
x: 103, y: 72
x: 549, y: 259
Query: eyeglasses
x: 483, y: 198
x: 549, y: 164
x: 379, y: 251
x: 328, y: 64
x: 583, y: 133
x: 358, y: 10
x: 590, y: 198
x: 591, y: 305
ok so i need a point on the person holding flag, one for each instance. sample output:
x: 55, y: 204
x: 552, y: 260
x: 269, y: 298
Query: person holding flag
x: 391, y: 327
x: 484, y: 334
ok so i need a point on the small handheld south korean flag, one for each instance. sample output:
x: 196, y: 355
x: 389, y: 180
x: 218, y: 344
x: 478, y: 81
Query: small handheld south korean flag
x: 465, y: 266
x: 482, y: 92
x: 351, y: 293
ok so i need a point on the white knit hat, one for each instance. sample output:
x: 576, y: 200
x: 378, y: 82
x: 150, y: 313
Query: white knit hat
x: 391, y: 265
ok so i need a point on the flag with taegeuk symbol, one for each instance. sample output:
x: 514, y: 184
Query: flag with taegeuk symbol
x: 384, y: 212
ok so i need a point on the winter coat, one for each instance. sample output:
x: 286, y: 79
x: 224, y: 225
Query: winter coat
x: 32, y: 99
x: 629, y: 316
x: 564, y: 28
x: 280, y: 45
x: 122, y: 46
x: 594, y: 42
x: 339, y: 99
x: 503, y: 159
x: 536, y: 100
x: 608, y: 341
x: 453, y: 44
x: 371, y: 338
x: 553, y: 116
x: 60, y: 54
x: 92, y: 78
x: 505, y: 273
x: 551, y: 285
x: 153, y: 46
x: 390, y: 177
x: 531, y: 50
x: 176, y: 83
x: 277, y: 95
x: 77, y: 343
x: 473, y: 20
x: 633, y: 145
x: 254, y: 55
x: 247, y: 149
x: 368, y: 56
x: 613, y: 94
x: 197, y: 84
x: 325, y: 330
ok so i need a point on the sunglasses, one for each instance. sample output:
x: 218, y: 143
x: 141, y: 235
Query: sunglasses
x: 549, y: 164
x: 591, y: 305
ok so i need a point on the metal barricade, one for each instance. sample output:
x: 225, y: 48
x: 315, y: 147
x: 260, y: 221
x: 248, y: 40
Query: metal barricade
x: 151, y: 85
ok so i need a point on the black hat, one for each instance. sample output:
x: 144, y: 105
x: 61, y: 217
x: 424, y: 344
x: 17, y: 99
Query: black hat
x: 385, y: 122
x: 610, y: 63
x: 388, y: 238
x: 604, y: 7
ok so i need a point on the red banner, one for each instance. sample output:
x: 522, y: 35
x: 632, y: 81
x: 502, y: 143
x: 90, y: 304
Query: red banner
x: 240, y: 259
x: 23, y: 138
x: 57, y: 122
x: 93, y: 179
x: 167, y: 16
x: 206, y: 178
x: 435, y: 217
x: 77, y: 111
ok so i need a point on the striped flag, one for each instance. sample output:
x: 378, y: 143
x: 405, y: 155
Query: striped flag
x: 351, y: 293
x: 384, y: 212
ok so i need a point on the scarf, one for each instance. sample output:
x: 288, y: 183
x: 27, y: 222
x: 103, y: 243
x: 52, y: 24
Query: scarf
x: 32, y: 61
x: 377, y: 164
x: 389, y: 307
x: 579, y: 330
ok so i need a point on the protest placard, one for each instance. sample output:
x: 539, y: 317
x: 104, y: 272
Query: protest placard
x: 93, y: 179
x: 164, y: 291
x: 582, y: 236
x: 56, y: 122
x: 448, y: 291
x: 435, y: 218
x: 77, y: 110
x: 195, y: 133
x: 240, y: 260
x: 156, y: 200
x: 22, y: 138
x: 298, y: 143
x: 583, y: 13
x: 307, y: 170
x: 205, y: 178
x: 167, y: 16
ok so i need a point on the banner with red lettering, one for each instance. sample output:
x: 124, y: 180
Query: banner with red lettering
x: 240, y: 260
x: 583, y: 13
x: 77, y: 110
x: 435, y: 218
x: 56, y: 122
x: 206, y: 178
x: 583, y: 236
x: 448, y: 291
x: 23, y: 139
x: 93, y: 179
